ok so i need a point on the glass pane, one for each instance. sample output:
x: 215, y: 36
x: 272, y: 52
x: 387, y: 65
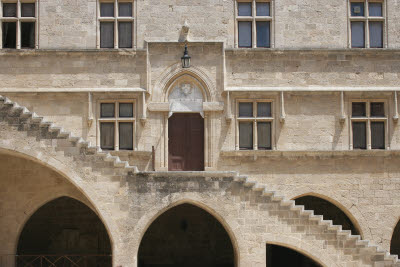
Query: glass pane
x: 245, y: 39
x: 263, y: 34
x: 378, y: 135
x: 125, y: 34
x: 28, y: 34
x: 107, y: 135
x: 244, y: 9
x: 9, y: 34
x: 357, y: 9
x: 245, y: 135
x: 9, y: 10
x: 126, y: 110
x: 246, y: 109
x: 375, y: 9
x: 126, y: 135
x: 262, y: 9
x: 125, y: 9
x: 28, y: 9
x: 358, y: 109
x: 107, y: 110
x: 264, y: 135
x: 264, y: 109
x: 357, y: 34
x: 106, y: 9
x: 107, y: 34
x: 359, y: 135
x: 377, y: 109
x: 375, y: 34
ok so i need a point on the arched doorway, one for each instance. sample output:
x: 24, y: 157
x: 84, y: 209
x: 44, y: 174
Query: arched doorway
x: 279, y: 256
x: 64, y: 232
x: 186, y: 235
x: 395, y: 242
x: 329, y: 211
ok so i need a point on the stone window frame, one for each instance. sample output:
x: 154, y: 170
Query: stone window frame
x: 116, y: 119
x: 254, y: 18
x: 254, y: 120
x: 117, y: 19
x: 18, y: 19
x: 366, y: 19
x: 368, y: 119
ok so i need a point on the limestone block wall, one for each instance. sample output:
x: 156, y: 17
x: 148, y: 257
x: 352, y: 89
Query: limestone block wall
x: 66, y: 24
x: 312, y: 68
x: 71, y: 70
x: 297, y: 24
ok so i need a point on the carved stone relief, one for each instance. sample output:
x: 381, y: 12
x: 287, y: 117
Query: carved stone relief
x: 185, y: 97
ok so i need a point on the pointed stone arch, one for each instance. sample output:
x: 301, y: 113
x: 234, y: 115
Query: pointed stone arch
x: 157, y: 214
x: 395, y: 240
x: 337, y: 212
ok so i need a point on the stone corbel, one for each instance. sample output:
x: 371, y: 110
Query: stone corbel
x: 90, y: 111
x: 158, y: 106
x: 213, y: 106
x: 396, y: 109
x: 282, y: 107
x: 342, y: 115
x: 144, y: 109
x: 228, y: 107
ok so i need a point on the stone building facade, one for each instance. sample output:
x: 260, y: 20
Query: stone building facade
x: 279, y: 142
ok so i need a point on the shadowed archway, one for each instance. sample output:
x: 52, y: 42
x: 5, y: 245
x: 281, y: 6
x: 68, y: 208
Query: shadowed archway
x: 395, y: 242
x: 186, y: 235
x: 64, y: 232
x: 329, y: 211
x: 280, y: 256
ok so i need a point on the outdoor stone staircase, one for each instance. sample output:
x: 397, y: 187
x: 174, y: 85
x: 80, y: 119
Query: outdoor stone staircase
x: 106, y: 164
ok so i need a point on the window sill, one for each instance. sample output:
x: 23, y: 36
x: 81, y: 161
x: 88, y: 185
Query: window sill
x: 138, y: 153
x: 309, y: 153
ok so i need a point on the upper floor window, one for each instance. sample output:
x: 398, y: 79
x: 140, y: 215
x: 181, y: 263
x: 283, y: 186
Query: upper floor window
x: 18, y: 24
x: 369, y: 124
x: 255, y: 124
x: 117, y: 125
x: 367, y: 24
x: 254, y: 19
x: 116, y: 21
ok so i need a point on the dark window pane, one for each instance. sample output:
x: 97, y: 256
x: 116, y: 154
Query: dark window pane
x: 357, y: 9
x: 107, y: 135
x: 107, y: 110
x: 125, y: 9
x: 375, y: 9
x: 28, y: 9
x: 377, y: 109
x: 263, y: 34
x: 106, y: 9
x: 358, y: 109
x: 376, y: 34
x: 264, y: 135
x: 378, y: 135
x: 9, y: 10
x: 9, y: 34
x: 264, y: 109
x: 107, y: 34
x: 126, y: 110
x: 126, y: 135
x: 246, y: 135
x: 28, y: 34
x: 244, y: 9
x: 125, y: 34
x: 244, y: 34
x: 262, y: 9
x: 246, y: 109
x: 357, y: 34
x: 359, y: 135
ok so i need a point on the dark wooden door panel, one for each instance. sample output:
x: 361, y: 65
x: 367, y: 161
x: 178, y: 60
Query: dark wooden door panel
x: 186, y: 142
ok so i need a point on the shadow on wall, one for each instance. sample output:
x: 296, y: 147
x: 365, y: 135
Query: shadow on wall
x: 64, y: 231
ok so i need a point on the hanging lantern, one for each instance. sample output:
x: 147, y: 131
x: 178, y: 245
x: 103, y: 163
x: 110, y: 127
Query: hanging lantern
x: 186, y: 58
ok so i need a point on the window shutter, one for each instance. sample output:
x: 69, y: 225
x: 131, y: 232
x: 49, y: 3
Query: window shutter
x: 125, y: 34
x: 107, y: 135
x: 246, y: 135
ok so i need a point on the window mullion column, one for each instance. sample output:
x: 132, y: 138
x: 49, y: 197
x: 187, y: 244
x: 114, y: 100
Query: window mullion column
x: 366, y: 24
x: 255, y: 137
x: 368, y: 125
x: 115, y: 24
x: 254, y: 33
x: 18, y: 31
x: 116, y: 130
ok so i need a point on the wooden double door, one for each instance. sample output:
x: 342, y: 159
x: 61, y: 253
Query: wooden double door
x: 186, y: 142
